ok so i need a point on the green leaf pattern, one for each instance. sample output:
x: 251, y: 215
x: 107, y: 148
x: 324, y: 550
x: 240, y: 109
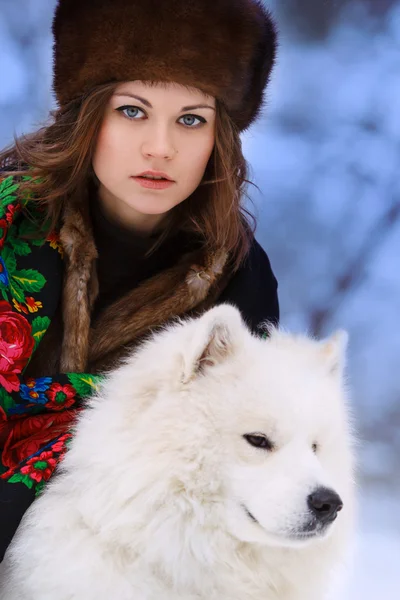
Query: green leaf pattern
x: 7, y: 196
x: 6, y: 401
x: 39, y: 328
x: 85, y: 384
x: 24, y: 282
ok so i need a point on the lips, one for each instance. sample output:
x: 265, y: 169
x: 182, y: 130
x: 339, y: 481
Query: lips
x: 155, y: 175
x: 153, y: 184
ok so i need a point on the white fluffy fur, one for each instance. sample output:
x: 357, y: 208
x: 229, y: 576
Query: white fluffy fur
x: 150, y: 499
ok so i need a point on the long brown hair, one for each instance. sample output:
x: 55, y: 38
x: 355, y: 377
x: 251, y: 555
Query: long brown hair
x: 59, y: 159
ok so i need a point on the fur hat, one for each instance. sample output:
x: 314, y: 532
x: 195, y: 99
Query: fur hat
x: 226, y: 48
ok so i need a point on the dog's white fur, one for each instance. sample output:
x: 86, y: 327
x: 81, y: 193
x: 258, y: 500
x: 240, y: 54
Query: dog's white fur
x: 151, y: 500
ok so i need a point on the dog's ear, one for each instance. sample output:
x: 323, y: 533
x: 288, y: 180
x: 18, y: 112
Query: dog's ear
x: 333, y: 350
x: 215, y: 338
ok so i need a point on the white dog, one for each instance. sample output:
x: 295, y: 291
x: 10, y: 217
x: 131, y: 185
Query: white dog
x: 211, y: 465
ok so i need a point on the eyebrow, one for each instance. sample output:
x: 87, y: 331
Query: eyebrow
x: 147, y: 103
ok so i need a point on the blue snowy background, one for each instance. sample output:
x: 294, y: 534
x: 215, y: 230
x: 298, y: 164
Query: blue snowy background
x: 326, y: 158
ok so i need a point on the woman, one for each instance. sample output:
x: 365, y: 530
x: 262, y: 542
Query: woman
x: 124, y: 212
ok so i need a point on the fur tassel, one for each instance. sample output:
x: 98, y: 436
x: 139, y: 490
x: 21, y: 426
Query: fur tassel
x: 80, y: 288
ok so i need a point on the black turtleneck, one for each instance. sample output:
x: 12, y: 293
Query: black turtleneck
x: 122, y: 263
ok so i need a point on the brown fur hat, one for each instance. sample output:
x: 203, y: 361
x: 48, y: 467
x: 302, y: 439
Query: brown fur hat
x: 226, y: 48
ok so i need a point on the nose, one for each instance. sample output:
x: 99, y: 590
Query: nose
x: 324, y: 504
x: 158, y: 144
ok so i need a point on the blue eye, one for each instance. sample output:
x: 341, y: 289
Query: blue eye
x: 128, y: 110
x: 191, y: 118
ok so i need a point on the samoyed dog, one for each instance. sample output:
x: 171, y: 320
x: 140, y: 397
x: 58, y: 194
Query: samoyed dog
x: 212, y: 464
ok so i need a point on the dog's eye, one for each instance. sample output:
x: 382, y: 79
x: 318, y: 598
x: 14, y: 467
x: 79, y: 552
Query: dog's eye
x: 259, y: 440
x: 315, y: 448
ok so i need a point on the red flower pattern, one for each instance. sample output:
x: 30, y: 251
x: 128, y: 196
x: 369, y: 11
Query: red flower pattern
x: 3, y: 232
x: 19, y: 306
x: 32, y: 304
x: 28, y: 435
x: 60, y: 396
x: 11, y: 210
x: 60, y: 444
x: 39, y: 468
x: 16, y: 345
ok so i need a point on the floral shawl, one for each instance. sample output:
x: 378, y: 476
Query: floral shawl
x: 36, y: 415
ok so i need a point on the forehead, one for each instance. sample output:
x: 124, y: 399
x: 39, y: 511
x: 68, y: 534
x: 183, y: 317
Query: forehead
x: 285, y: 394
x: 164, y: 90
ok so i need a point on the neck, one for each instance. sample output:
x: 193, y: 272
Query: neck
x: 126, y: 216
x: 193, y: 551
x: 185, y: 542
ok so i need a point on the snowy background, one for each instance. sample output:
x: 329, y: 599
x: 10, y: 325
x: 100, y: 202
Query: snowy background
x: 326, y: 159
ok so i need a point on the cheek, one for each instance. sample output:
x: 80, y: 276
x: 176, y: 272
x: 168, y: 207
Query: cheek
x: 195, y: 158
x: 111, y: 148
x: 275, y: 500
x: 102, y: 153
x: 207, y: 149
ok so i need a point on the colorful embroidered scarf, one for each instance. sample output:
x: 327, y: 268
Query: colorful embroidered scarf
x: 36, y: 415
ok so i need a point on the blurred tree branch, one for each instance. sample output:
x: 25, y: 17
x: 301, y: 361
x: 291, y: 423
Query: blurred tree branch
x: 313, y: 19
x: 354, y: 273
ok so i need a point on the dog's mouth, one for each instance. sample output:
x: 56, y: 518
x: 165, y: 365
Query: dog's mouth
x: 251, y: 516
x: 310, y: 531
x: 304, y: 535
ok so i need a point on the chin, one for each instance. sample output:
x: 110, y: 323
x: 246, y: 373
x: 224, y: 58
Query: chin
x: 156, y: 207
x: 279, y: 539
x: 297, y: 540
x: 248, y: 529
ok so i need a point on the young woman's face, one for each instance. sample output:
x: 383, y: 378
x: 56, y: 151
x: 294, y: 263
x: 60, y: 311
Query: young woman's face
x: 163, y: 128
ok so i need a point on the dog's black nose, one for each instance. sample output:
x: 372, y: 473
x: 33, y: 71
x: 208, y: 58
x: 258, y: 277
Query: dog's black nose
x: 324, y: 504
